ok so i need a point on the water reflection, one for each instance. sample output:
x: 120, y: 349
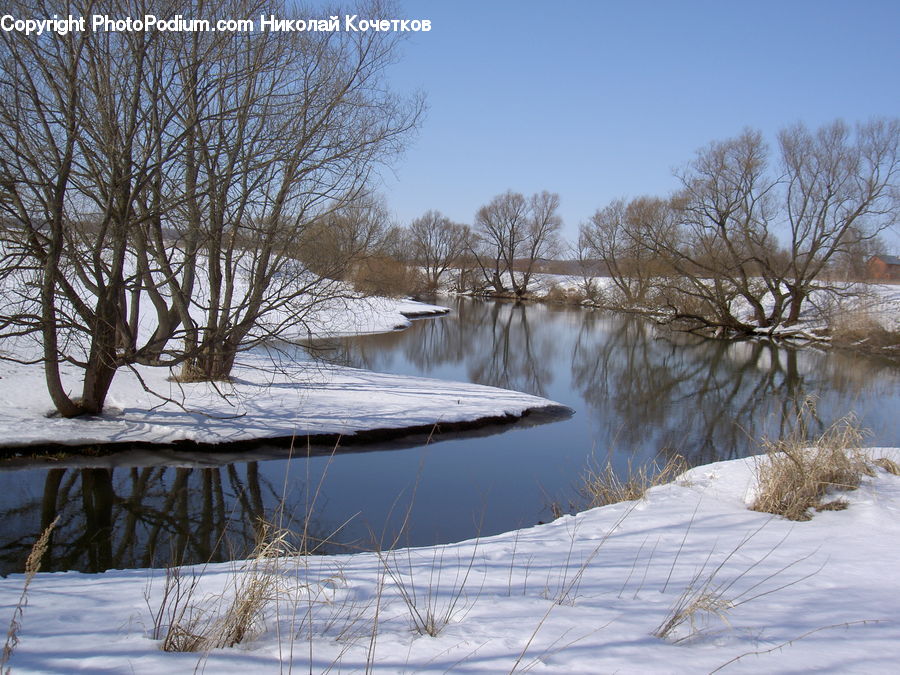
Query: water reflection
x: 644, y: 387
x: 704, y: 399
x: 637, y: 391
x: 134, y: 517
x: 494, y: 341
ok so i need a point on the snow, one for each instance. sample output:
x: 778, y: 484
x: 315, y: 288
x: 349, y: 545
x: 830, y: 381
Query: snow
x: 363, y: 315
x: 272, y: 394
x: 585, y: 593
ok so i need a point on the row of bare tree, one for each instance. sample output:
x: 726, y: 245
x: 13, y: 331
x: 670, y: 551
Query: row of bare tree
x: 748, y: 239
x: 168, y: 199
x: 511, y: 235
x: 741, y: 246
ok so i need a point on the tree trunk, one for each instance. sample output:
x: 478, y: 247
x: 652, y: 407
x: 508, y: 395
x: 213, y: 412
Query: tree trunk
x: 797, y: 296
x: 101, y: 366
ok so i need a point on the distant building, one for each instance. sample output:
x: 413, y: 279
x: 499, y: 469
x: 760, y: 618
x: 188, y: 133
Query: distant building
x: 884, y: 267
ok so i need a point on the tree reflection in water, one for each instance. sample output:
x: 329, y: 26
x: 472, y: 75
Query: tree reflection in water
x: 648, y: 389
x: 143, y: 516
x: 637, y: 391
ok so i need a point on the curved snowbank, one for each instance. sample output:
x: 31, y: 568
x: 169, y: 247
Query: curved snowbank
x: 272, y: 394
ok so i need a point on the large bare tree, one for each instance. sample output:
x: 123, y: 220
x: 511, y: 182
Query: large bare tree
x: 156, y: 185
x: 79, y: 151
x: 743, y: 244
x: 842, y: 189
x: 724, y: 253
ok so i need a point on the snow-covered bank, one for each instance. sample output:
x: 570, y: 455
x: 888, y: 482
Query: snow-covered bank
x: 360, y: 316
x: 855, y: 303
x: 584, y: 594
x: 271, y: 395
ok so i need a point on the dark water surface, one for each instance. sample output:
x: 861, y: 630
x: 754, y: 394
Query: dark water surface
x: 637, y: 391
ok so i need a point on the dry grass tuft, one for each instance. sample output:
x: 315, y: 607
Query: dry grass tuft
x: 602, y: 486
x: 32, y: 566
x: 693, y: 607
x: 797, y: 475
x: 434, y: 605
x: 713, y: 592
x: 888, y: 465
x: 836, y: 505
x: 186, y: 624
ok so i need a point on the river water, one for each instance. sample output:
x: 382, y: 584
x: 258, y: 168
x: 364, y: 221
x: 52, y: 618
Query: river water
x: 638, y: 392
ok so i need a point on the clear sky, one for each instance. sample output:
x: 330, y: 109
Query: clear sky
x: 602, y: 99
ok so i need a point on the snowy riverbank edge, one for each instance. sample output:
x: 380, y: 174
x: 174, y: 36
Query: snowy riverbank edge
x: 584, y: 594
x: 270, y: 396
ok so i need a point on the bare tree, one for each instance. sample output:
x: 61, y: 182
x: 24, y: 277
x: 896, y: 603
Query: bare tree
x: 705, y: 254
x: 619, y: 235
x: 336, y: 244
x: 842, y: 190
x: 721, y: 238
x: 156, y: 185
x: 513, y: 233
x: 78, y: 152
x: 588, y: 265
x: 437, y: 244
x: 286, y: 144
x: 726, y: 254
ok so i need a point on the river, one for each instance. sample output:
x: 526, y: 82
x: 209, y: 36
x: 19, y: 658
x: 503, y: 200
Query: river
x: 637, y: 392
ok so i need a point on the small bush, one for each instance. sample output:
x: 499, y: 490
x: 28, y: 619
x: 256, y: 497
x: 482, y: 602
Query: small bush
x: 385, y: 276
x: 797, y: 475
x: 564, y: 296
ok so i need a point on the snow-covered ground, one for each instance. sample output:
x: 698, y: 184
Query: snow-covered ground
x: 271, y: 395
x: 585, y: 594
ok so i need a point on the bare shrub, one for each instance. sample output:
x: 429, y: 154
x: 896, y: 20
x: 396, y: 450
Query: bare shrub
x: 386, y: 276
x: 796, y: 475
x: 565, y: 296
x: 603, y: 485
x: 865, y: 334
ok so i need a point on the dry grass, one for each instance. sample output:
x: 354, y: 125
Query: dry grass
x: 855, y: 324
x: 380, y: 275
x: 888, y: 465
x: 713, y: 592
x: 435, y: 604
x: 186, y: 623
x: 32, y: 566
x: 798, y: 475
x: 602, y: 486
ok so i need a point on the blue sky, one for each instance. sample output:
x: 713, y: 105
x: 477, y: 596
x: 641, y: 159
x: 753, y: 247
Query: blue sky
x: 597, y: 100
